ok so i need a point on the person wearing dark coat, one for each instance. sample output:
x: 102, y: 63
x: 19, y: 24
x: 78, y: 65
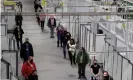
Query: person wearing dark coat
x: 20, y: 5
x: 19, y: 19
x: 82, y: 61
x: 18, y: 33
x: 52, y: 24
x: 37, y: 5
x: 26, y: 50
x: 66, y: 36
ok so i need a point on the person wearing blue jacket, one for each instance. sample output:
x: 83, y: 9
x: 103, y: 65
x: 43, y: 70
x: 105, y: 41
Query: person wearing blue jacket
x: 59, y: 30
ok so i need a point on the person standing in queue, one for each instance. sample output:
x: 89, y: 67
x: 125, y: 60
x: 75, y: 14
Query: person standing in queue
x: 59, y: 30
x: 42, y: 19
x: 95, y: 70
x: 52, y: 24
x: 82, y: 61
x: 66, y: 37
x: 26, y: 50
x: 18, y: 33
x: 106, y: 76
x: 72, y: 51
x: 29, y: 69
x: 19, y: 19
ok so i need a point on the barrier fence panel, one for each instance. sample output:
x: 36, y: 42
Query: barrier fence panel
x: 117, y: 66
x: 84, y: 36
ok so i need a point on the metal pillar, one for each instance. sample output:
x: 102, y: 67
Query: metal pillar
x: 17, y: 63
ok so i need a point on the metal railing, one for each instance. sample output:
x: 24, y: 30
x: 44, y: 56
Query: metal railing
x: 16, y: 55
x: 116, y: 64
x: 9, y: 72
x: 13, y: 77
x: 113, y: 59
x: 7, y: 68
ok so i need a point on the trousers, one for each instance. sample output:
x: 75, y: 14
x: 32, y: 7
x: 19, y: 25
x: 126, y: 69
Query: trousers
x: 42, y: 24
x: 71, y: 57
x: 52, y: 31
x: 64, y: 49
x: 81, y: 70
x: 18, y: 43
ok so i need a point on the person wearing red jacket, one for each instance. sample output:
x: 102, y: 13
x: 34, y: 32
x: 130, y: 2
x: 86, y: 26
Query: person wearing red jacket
x: 28, y: 68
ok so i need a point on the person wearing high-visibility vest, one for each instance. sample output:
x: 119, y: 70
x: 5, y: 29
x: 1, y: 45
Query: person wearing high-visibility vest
x: 18, y: 33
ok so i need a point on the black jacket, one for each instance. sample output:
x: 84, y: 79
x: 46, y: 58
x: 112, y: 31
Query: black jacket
x: 15, y: 32
x: 66, y: 36
x: 18, y: 17
x: 23, y: 50
x: 49, y: 22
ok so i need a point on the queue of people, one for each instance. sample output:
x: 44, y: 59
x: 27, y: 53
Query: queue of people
x: 69, y: 46
x: 80, y: 58
x: 28, y: 70
x: 64, y: 40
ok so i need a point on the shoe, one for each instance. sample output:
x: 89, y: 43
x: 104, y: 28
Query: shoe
x: 84, y: 77
x: 57, y: 46
x: 51, y: 37
x: 71, y: 64
x: 79, y: 77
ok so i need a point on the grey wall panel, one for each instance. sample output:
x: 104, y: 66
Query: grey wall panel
x: 119, y: 68
x: 3, y: 30
x: 11, y: 58
x: 124, y: 69
x: 3, y: 71
x: 115, y: 66
x: 11, y: 22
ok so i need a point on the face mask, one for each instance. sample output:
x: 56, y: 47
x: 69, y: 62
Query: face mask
x: 95, y: 63
x: 31, y: 61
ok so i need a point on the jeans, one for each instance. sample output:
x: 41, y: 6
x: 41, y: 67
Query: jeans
x: 59, y: 40
x: 64, y: 49
x: 18, y: 43
x: 72, y: 58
